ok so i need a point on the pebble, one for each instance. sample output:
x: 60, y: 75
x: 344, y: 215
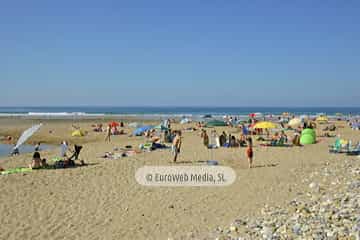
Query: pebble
x: 331, y: 211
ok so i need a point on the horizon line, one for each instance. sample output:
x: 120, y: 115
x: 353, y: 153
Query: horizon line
x: 169, y: 106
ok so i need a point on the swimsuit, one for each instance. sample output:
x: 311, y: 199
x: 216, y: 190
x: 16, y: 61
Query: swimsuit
x: 249, y: 153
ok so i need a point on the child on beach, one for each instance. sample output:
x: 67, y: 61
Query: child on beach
x: 176, y: 146
x: 249, y: 151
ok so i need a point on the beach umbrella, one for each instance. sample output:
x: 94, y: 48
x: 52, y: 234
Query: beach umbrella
x: 265, y: 125
x: 27, y: 134
x: 256, y: 115
x: 295, y: 122
x: 141, y: 130
x: 114, y: 124
x: 322, y: 119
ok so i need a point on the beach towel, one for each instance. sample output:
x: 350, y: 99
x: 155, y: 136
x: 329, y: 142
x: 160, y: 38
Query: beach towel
x: 15, y: 170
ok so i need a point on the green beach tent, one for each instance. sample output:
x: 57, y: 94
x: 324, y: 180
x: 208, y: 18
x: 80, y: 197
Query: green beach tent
x: 308, y: 136
x: 308, y: 131
x: 307, y: 139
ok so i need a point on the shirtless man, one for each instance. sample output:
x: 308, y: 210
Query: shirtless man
x: 176, y: 146
x: 108, y: 134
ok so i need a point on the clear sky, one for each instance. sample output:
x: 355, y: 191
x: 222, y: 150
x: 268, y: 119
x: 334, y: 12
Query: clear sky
x: 183, y: 53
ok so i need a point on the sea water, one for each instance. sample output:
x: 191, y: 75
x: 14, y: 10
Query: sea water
x: 159, y: 112
x: 6, y: 149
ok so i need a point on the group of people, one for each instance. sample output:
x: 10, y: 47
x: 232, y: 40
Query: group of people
x: 354, y: 124
x: 228, y: 140
x: 279, y: 138
x: 113, y: 130
x: 67, y: 155
x: 223, y: 140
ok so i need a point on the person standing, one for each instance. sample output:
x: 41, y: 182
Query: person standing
x: 63, y: 149
x: 37, y: 147
x: 205, y: 138
x: 250, y: 152
x: 108, y: 134
x: 176, y: 146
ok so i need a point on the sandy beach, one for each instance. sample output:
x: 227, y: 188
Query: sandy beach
x: 103, y: 200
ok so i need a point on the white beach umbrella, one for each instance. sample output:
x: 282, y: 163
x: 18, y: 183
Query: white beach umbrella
x: 27, y: 134
x: 295, y: 122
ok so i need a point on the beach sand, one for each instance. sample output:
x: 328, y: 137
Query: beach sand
x: 104, y: 201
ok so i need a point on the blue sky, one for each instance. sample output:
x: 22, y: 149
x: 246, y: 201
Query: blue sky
x: 183, y: 53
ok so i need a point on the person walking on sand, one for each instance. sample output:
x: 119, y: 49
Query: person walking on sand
x: 250, y: 152
x: 108, y: 134
x: 176, y: 146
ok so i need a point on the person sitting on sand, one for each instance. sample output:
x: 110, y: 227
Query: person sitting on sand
x: 283, y: 137
x: 233, y: 142
x: 275, y: 138
x: 250, y: 151
x: 98, y: 128
x: 176, y: 146
x: 242, y: 140
x: 37, y: 163
x: 296, y: 138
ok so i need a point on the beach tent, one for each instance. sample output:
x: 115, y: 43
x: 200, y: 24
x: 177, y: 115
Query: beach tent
x: 322, y: 119
x: 307, y: 139
x: 308, y: 136
x: 27, y: 134
x: 185, y: 121
x: 265, y: 125
x: 141, y: 130
x: 295, y: 122
x: 134, y: 125
x: 78, y: 133
x: 309, y: 131
x: 216, y: 123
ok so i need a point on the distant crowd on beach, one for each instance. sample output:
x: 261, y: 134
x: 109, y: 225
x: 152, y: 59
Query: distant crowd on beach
x: 158, y: 137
